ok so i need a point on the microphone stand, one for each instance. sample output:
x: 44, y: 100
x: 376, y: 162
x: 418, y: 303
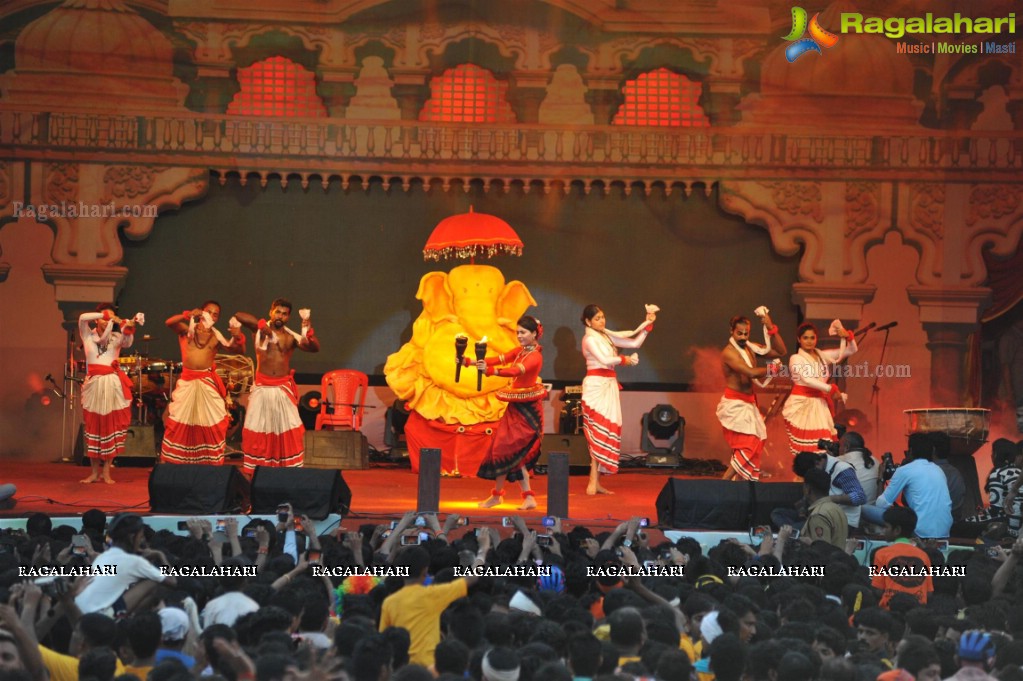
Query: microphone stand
x: 875, y: 389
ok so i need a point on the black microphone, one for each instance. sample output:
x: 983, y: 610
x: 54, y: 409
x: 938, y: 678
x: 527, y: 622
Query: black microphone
x: 887, y: 326
x: 866, y: 328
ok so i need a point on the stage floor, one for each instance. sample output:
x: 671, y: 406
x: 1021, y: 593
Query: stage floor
x: 380, y: 491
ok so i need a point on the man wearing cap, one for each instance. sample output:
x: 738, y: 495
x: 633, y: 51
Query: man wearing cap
x: 975, y: 655
x: 174, y: 622
x: 501, y: 664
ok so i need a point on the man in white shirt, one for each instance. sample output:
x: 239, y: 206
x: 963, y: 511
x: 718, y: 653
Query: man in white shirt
x: 132, y: 577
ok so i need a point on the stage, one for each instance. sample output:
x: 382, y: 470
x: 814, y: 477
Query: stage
x: 379, y: 492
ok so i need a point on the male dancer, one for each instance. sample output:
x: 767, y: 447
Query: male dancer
x: 737, y: 411
x: 273, y: 434
x: 197, y: 419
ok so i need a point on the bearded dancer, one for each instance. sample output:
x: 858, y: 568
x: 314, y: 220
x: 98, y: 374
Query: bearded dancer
x: 601, y: 401
x: 809, y: 411
x: 741, y: 420
x: 197, y: 420
x: 515, y: 446
x: 273, y: 434
x: 106, y: 393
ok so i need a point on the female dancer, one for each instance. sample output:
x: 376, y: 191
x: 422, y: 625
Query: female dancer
x: 516, y: 443
x: 602, y: 407
x: 106, y: 393
x: 809, y: 411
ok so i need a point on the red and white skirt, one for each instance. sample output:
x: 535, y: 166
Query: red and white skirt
x: 744, y: 430
x: 197, y: 420
x: 808, y: 419
x: 602, y: 419
x: 273, y: 434
x: 106, y: 415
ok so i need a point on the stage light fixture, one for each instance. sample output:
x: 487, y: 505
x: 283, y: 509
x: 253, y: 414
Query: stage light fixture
x: 308, y: 408
x: 663, y: 436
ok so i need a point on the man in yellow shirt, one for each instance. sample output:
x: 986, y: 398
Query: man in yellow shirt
x: 417, y: 607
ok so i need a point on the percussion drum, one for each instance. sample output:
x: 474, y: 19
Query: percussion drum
x: 236, y: 371
x: 967, y: 430
x: 130, y: 364
x: 158, y: 366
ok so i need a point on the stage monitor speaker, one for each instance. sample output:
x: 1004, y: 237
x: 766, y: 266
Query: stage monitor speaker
x: 310, y: 491
x: 197, y: 489
x: 140, y: 442
x: 704, y: 505
x: 573, y: 445
x: 768, y: 496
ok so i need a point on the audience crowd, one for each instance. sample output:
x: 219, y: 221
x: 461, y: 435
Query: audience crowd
x: 423, y: 600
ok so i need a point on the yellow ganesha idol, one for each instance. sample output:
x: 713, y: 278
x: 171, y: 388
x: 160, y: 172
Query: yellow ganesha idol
x: 470, y: 300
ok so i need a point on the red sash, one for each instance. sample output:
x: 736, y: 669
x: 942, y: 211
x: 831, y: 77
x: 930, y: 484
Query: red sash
x: 208, y: 375
x: 736, y: 395
x: 104, y: 370
x: 606, y: 373
x: 287, y: 382
x: 805, y: 391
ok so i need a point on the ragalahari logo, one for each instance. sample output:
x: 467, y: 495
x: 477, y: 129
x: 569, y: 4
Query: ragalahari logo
x: 818, y: 36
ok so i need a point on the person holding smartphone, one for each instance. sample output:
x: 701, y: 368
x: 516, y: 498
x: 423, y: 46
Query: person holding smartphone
x: 515, y: 446
x: 106, y: 393
x: 601, y: 400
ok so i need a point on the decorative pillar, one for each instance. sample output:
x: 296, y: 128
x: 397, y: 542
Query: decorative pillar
x: 411, y: 89
x: 604, y: 98
x: 212, y: 91
x: 825, y: 301
x: 949, y: 315
x: 336, y: 91
x: 962, y: 110
x: 721, y: 101
x: 525, y: 94
x: 94, y: 203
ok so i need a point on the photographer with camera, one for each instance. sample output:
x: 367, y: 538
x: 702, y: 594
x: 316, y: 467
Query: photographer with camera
x: 923, y: 488
x: 853, y: 451
x: 845, y: 489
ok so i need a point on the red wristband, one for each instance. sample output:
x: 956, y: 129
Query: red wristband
x: 773, y: 331
x: 489, y: 371
x: 187, y: 314
x: 108, y: 314
x: 625, y: 360
x: 262, y: 325
x: 649, y: 327
x: 128, y: 330
x: 852, y: 336
x: 834, y: 391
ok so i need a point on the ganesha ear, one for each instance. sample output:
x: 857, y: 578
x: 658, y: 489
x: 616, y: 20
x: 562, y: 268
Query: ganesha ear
x: 514, y: 300
x: 436, y: 295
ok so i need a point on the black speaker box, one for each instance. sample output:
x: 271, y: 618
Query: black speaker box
x: 768, y: 496
x: 314, y: 492
x: 573, y: 445
x: 197, y: 489
x: 704, y: 505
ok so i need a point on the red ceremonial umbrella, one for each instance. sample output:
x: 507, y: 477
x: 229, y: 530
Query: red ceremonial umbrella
x: 468, y: 235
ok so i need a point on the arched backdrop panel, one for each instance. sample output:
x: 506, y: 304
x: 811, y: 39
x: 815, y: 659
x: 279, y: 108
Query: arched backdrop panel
x: 355, y: 258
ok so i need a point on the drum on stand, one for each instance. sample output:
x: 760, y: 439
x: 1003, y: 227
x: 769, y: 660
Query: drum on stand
x: 967, y: 430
